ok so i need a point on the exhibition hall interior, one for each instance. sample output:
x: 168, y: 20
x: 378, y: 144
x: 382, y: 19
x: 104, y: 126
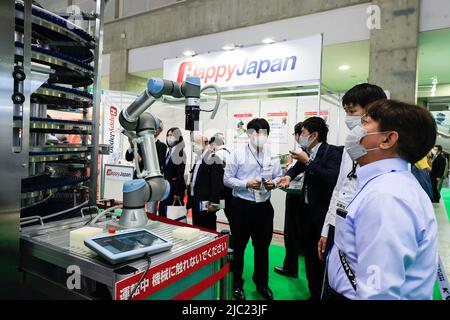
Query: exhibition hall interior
x: 228, y: 150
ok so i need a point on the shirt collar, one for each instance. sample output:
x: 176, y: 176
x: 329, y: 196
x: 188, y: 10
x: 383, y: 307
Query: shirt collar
x: 253, y: 149
x: 374, y: 169
x: 313, y: 152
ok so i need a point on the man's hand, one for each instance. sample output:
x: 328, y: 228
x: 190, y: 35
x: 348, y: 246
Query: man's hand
x: 301, y: 156
x: 284, y: 182
x: 211, y: 207
x: 176, y: 198
x: 321, y: 248
x: 269, y: 185
x: 254, y: 184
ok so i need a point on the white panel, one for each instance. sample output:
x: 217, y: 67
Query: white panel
x: 434, y: 14
x: 293, y: 61
x: 338, y: 26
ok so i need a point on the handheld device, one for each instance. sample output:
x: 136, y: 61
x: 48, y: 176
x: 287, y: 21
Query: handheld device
x: 127, y: 245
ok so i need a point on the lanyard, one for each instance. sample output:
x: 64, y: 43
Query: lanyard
x: 329, y: 252
x: 373, y: 178
x: 259, y: 163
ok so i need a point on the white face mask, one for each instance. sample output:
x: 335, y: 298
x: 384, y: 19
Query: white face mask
x: 259, y: 141
x: 304, y: 141
x: 171, y: 141
x: 353, y: 143
x: 198, y: 149
x: 352, y: 121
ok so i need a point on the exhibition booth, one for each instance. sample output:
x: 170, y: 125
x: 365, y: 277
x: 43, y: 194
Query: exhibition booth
x: 280, y: 82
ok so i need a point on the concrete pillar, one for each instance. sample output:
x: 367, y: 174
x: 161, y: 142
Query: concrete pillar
x: 394, y: 46
x: 118, y: 70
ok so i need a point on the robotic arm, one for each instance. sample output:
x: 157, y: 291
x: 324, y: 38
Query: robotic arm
x: 141, y: 126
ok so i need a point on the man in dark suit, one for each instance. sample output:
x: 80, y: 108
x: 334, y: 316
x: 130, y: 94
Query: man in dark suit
x: 206, y: 186
x: 293, y: 224
x: 320, y: 163
x: 437, y: 171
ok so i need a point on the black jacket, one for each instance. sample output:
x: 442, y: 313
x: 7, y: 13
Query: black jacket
x: 320, y: 178
x: 438, y: 166
x: 174, y: 171
x: 161, y: 149
x: 129, y: 156
x: 209, y: 181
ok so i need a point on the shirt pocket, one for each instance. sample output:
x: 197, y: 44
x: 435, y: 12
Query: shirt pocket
x: 267, y: 171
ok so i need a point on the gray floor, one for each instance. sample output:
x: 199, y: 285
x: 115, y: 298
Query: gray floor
x: 444, y: 235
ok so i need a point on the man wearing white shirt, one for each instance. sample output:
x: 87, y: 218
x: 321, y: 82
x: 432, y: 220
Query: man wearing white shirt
x: 252, y: 173
x: 355, y: 102
x: 386, y: 244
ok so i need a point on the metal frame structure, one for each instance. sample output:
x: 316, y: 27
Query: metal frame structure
x: 15, y: 134
x: 99, y: 10
x: 13, y: 161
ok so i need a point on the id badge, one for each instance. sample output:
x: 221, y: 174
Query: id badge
x: 340, y: 227
x: 341, y: 213
x: 203, y: 206
x: 260, y: 196
x: 341, y: 204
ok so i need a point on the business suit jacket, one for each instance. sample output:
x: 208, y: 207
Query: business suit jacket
x: 320, y: 179
x: 174, y: 171
x: 161, y: 149
x: 438, y: 166
x: 209, y: 182
x: 129, y: 156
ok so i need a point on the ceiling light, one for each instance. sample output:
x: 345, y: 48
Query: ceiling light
x: 229, y: 46
x: 188, y: 53
x: 268, y: 40
x: 344, y: 67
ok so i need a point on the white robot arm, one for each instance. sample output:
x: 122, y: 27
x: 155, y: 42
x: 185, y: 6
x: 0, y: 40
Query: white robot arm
x: 153, y: 186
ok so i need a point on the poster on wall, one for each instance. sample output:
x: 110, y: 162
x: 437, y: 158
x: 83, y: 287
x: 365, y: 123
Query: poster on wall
x: 240, y: 121
x: 278, y: 122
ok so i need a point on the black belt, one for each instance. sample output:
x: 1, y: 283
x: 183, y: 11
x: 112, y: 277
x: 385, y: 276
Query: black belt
x: 252, y: 202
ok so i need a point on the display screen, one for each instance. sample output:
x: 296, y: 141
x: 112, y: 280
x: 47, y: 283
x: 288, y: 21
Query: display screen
x: 129, y: 241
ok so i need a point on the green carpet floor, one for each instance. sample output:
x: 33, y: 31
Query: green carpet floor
x: 445, y: 193
x: 283, y: 288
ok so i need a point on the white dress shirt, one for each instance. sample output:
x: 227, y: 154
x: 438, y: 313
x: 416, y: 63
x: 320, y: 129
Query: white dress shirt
x: 389, y: 237
x: 246, y: 164
x: 343, y: 192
